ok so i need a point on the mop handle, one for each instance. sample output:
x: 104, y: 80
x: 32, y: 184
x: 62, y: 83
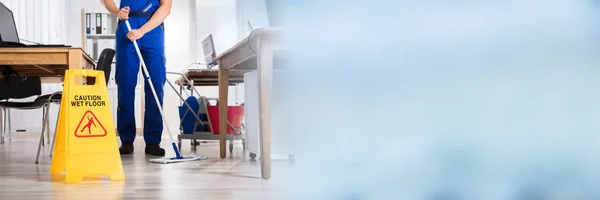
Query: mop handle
x: 137, y: 49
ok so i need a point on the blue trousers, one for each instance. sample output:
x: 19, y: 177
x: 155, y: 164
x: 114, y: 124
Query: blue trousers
x: 152, y: 48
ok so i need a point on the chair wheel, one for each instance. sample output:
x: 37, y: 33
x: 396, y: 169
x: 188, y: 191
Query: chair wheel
x: 252, y: 156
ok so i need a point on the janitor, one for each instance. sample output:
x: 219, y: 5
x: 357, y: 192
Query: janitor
x: 146, y: 18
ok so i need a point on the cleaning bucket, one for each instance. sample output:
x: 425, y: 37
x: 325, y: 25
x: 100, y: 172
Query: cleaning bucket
x: 188, y: 119
x: 235, y: 116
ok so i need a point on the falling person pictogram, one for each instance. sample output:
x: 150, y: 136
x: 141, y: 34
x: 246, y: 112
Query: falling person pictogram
x: 89, y: 125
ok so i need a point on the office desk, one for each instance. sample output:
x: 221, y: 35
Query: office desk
x: 253, y: 53
x: 48, y: 63
x: 209, y: 77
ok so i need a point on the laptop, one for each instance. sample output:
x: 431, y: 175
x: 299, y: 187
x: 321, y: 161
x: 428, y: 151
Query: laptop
x: 210, y: 55
x: 9, y: 37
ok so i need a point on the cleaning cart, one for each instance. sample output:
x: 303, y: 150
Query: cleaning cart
x: 200, y: 117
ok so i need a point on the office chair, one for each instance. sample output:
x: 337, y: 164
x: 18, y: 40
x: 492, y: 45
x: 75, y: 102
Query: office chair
x: 19, y: 88
x: 104, y: 64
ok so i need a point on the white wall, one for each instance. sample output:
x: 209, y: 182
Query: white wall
x: 177, y: 38
x: 254, y: 11
x: 217, y: 17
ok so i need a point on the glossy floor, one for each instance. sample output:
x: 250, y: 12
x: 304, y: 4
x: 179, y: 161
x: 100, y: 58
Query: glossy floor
x: 235, y: 177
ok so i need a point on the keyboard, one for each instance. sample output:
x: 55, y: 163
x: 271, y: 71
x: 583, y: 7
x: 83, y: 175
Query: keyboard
x: 47, y: 45
x: 20, y: 45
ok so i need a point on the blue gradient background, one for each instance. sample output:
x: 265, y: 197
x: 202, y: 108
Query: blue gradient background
x: 443, y: 100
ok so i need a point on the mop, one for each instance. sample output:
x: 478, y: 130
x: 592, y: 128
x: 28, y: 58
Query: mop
x: 178, y: 157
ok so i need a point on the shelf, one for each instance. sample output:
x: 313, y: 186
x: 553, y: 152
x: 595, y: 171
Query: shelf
x: 100, y: 35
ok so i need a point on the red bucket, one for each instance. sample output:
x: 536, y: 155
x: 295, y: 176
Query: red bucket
x: 235, y: 116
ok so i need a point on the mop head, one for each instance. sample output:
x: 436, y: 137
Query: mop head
x: 167, y: 160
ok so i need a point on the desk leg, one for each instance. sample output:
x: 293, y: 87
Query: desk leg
x: 265, y: 88
x: 2, y: 124
x: 76, y: 61
x: 223, y: 91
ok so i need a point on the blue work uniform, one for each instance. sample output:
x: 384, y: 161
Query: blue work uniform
x: 152, y: 47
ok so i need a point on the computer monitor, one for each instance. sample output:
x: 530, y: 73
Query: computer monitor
x: 210, y: 56
x: 8, y: 27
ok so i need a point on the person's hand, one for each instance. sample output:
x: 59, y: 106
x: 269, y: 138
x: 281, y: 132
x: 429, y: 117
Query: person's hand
x: 124, y: 13
x: 135, y: 34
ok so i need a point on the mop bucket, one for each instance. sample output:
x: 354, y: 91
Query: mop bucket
x: 188, y: 118
x: 235, y: 116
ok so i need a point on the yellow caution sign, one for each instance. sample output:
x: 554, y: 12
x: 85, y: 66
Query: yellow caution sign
x: 86, y: 142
